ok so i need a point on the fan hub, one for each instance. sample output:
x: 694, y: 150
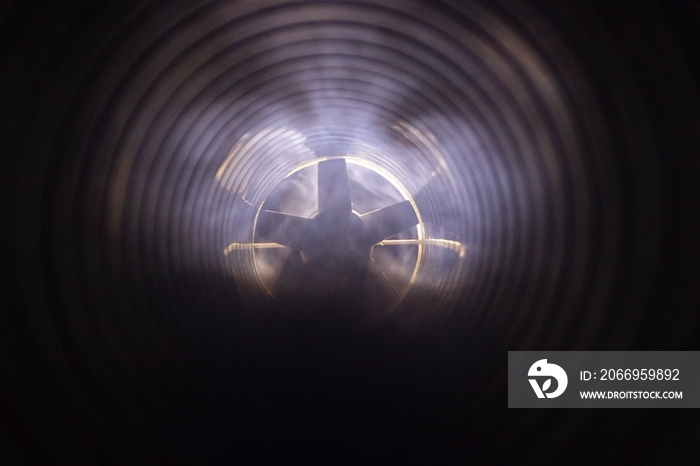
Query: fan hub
x: 335, y: 242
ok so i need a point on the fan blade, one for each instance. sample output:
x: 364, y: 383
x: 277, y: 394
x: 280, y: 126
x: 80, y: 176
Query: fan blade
x: 282, y: 228
x: 379, y: 292
x: 333, y: 188
x: 291, y: 275
x: 381, y: 282
x: 388, y: 221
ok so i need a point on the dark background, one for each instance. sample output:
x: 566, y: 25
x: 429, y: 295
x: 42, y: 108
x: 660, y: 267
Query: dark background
x: 115, y: 350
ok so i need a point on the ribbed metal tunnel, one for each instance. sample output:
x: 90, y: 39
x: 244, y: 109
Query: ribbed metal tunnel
x: 550, y: 151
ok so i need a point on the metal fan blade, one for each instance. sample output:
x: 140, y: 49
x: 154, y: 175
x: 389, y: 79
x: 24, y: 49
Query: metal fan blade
x: 381, y: 281
x: 291, y: 275
x: 333, y: 188
x: 379, y: 293
x: 388, y: 221
x: 282, y: 228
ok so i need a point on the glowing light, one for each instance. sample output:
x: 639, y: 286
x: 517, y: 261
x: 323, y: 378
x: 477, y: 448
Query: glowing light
x: 237, y: 246
x: 455, y: 246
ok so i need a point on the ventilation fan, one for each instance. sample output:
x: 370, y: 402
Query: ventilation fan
x: 338, y: 231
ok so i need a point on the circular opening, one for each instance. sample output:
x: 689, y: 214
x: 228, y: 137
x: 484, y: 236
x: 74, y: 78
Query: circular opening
x: 324, y: 252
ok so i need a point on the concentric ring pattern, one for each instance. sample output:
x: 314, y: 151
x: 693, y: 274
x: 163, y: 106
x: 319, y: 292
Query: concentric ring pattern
x: 547, y: 148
